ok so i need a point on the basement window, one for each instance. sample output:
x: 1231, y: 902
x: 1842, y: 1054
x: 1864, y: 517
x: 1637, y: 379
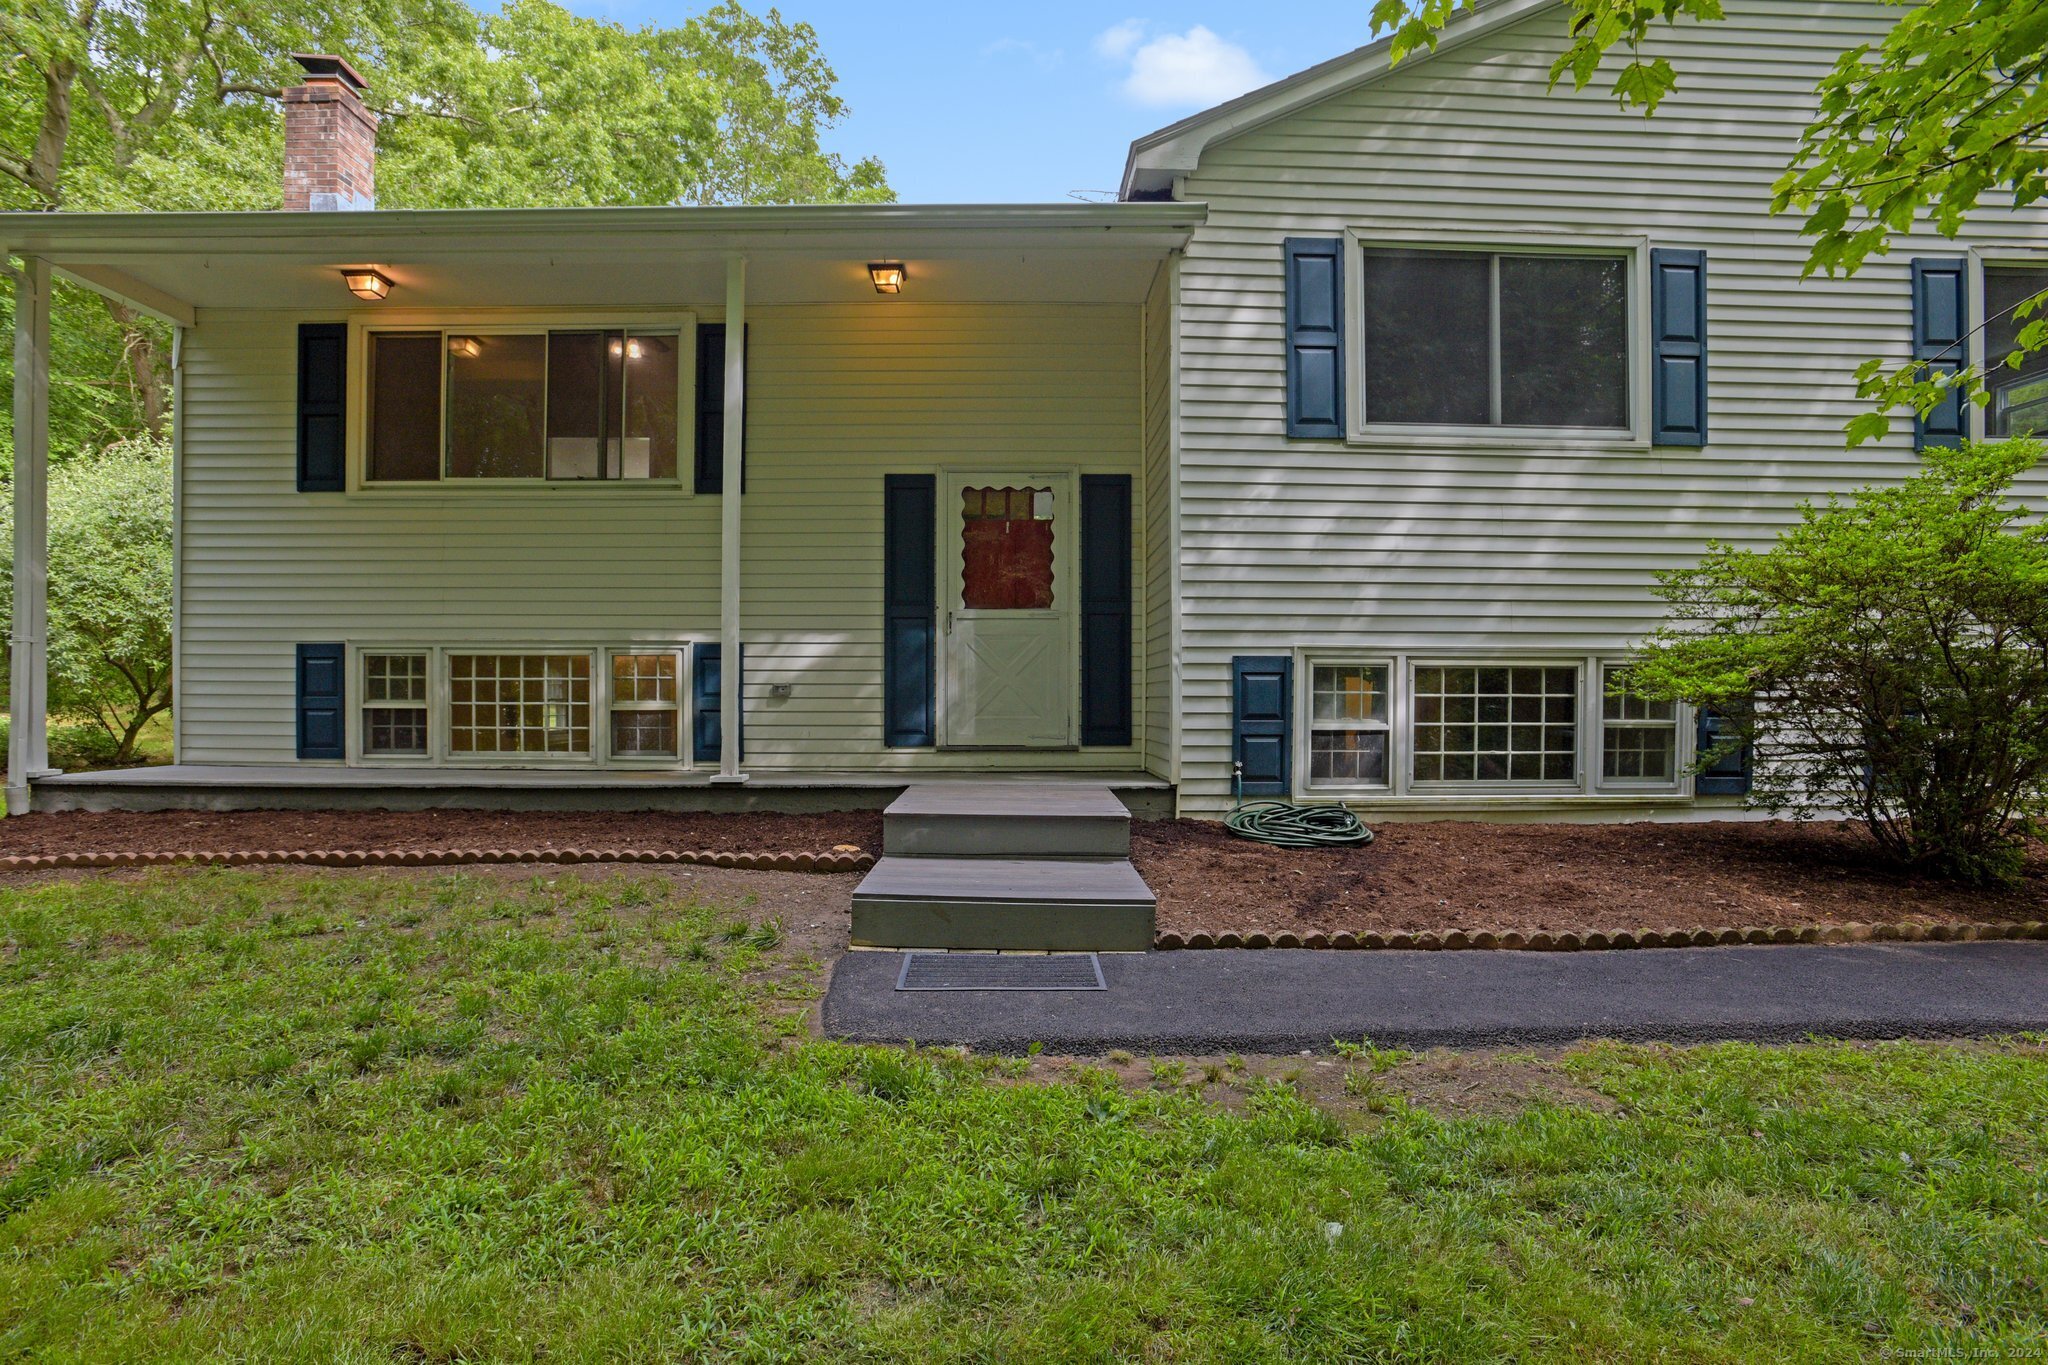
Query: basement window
x: 1508, y: 724
x: 1638, y: 737
x: 646, y: 705
x: 493, y: 404
x: 519, y: 704
x: 1349, y: 731
x: 395, y: 705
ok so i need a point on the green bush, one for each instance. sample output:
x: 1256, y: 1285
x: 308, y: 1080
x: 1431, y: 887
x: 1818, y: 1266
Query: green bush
x: 110, y: 588
x: 1889, y: 658
x: 83, y: 746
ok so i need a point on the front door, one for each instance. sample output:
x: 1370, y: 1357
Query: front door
x: 1007, y: 589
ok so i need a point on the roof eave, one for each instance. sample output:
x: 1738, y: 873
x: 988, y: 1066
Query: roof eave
x: 1157, y: 159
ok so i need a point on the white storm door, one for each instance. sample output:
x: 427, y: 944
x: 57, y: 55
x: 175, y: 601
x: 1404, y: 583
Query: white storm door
x: 1007, y: 587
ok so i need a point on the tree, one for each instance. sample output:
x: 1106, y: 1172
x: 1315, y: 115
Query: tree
x: 172, y: 104
x: 1949, y: 108
x: 1899, y: 645
x: 110, y: 588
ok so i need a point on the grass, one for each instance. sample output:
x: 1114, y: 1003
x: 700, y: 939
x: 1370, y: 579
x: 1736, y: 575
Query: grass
x: 291, y: 1117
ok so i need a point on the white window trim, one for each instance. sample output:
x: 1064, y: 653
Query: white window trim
x: 1982, y: 258
x: 1634, y: 248
x: 1402, y: 786
x: 1682, y: 723
x: 440, y: 736
x: 1304, y: 707
x: 507, y: 322
x: 681, y: 758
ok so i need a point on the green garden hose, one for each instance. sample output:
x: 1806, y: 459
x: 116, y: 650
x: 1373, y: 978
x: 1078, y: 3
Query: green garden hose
x: 1286, y: 825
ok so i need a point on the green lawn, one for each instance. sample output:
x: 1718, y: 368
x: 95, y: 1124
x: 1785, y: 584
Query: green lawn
x: 281, y: 1116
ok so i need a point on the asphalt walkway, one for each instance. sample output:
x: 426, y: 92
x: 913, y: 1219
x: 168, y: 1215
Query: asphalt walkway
x: 1281, y: 1001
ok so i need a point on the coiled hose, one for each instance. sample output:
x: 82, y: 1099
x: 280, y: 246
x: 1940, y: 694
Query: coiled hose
x: 1286, y: 825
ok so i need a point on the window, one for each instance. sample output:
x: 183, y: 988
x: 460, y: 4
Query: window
x: 1006, y: 549
x: 1348, y: 728
x: 2019, y: 398
x: 1496, y: 723
x: 519, y: 704
x: 571, y: 405
x: 646, y: 705
x: 395, y: 704
x: 1467, y: 338
x: 1638, y: 737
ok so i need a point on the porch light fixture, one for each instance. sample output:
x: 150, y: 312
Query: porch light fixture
x: 464, y: 346
x: 888, y: 276
x: 366, y: 284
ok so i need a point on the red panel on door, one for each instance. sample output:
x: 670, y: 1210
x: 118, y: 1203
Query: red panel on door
x: 1006, y: 549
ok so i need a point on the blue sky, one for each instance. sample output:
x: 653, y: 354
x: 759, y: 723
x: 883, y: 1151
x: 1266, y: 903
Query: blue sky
x: 972, y: 102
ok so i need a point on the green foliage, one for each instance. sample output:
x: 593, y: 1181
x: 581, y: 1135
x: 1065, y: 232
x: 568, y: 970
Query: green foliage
x: 110, y: 590
x: 1948, y: 109
x: 259, y: 1116
x: 166, y: 105
x: 1899, y: 642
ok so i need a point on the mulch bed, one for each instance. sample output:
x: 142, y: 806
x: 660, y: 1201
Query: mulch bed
x: 177, y: 831
x: 1553, y: 879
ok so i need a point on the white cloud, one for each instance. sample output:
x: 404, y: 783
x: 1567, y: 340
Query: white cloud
x: 1180, y: 70
x: 1045, y: 58
x: 1119, y: 42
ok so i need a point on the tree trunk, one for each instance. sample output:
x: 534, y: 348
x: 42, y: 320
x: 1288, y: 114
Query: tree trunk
x: 145, y: 368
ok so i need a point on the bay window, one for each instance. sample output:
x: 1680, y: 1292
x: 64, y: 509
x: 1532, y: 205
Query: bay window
x: 568, y: 405
x: 1494, y: 339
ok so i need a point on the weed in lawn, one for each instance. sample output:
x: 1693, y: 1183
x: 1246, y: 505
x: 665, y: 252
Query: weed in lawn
x: 254, y: 1116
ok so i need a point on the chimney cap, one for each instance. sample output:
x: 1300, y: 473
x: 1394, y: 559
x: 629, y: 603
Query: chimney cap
x: 317, y: 64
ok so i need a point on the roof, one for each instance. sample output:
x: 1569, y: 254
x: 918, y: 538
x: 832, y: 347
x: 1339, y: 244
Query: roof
x: 173, y: 263
x: 1157, y: 158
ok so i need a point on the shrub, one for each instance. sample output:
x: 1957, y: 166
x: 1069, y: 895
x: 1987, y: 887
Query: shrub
x: 1896, y: 648
x: 110, y: 588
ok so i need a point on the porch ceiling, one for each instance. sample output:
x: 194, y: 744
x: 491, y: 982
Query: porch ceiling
x: 173, y: 263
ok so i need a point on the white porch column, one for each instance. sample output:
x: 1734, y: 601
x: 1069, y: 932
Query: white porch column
x: 729, y: 520
x: 28, y: 745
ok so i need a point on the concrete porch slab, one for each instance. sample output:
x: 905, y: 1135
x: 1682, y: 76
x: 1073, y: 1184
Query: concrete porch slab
x: 1280, y: 1001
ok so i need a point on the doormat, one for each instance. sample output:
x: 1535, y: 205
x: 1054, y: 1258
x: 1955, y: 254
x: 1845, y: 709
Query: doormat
x: 1000, y: 972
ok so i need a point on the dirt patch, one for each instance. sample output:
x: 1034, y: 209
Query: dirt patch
x: 1554, y: 878
x: 236, y: 831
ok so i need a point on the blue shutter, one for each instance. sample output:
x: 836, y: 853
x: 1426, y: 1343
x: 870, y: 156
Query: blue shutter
x: 321, y: 687
x: 1941, y: 338
x: 323, y: 403
x: 910, y: 602
x: 707, y: 700
x: 1262, y: 722
x: 710, y: 415
x: 1315, y: 337
x: 1730, y: 774
x: 1105, y: 609
x: 1678, y: 347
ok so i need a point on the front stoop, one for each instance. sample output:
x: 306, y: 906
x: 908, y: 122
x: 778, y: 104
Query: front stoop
x: 1016, y: 868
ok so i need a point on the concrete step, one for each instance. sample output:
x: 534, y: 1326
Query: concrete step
x: 1015, y: 904
x: 1007, y: 820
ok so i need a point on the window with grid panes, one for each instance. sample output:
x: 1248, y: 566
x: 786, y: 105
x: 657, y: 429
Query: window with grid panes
x: 1348, y: 725
x: 646, y: 706
x: 519, y: 704
x: 1638, y: 737
x: 394, y: 704
x: 1496, y: 723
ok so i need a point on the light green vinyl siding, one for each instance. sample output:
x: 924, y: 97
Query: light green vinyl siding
x: 1496, y: 544
x: 840, y: 397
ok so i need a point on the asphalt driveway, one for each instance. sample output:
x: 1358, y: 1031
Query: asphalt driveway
x: 1281, y: 1001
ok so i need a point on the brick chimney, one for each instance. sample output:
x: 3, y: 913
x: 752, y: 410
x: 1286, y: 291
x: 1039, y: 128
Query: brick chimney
x: 330, y: 139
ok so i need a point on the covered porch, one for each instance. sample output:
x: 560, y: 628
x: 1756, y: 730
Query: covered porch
x: 1025, y: 355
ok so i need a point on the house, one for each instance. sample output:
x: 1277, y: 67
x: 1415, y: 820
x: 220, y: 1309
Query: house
x: 1336, y: 460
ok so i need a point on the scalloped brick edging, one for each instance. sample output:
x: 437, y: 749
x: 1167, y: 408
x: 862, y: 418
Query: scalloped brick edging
x: 443, y: 857
x: 1458, y: 940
